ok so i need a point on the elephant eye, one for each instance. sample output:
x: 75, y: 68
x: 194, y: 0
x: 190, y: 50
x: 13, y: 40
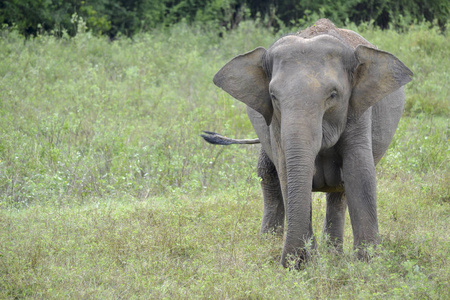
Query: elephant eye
x: 333, y: 95
x: 273, y: 97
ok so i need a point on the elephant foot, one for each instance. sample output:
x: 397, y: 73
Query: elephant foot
x: 297, y: 258
x: 335, y: 246
x: 365, y: 253
x: 296, y: 261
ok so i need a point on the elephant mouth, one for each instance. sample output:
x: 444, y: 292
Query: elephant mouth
x: 327, y: 174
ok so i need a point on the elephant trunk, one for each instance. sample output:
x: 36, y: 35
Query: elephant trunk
x: 301, y: 143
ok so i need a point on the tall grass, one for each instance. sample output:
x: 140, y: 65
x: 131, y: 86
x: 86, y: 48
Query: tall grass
x: 107, y: 191
x: 89, y: 118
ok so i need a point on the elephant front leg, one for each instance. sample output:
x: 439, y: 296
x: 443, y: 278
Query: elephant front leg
x: 273, y: 215
x: 335, y: 219
x: 360, y: 189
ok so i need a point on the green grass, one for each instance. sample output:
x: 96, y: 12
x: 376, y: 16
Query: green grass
x: 108, y: 192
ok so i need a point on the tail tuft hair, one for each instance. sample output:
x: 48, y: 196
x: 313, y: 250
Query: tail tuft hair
x: 215, y: 138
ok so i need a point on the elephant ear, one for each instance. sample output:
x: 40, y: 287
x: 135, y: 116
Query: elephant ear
x: 244, y: 79
x: 377, y: 75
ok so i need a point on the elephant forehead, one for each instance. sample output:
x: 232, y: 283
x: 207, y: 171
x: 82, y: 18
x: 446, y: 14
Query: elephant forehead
x: 304, y: 82
x: 319, y: 48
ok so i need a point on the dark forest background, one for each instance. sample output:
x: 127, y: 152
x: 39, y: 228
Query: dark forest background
x: 128, y: 17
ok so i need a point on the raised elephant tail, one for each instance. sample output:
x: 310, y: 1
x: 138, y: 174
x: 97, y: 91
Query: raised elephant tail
x: 217, y: 139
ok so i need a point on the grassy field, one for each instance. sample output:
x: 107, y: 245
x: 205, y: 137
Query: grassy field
x: 107, y: 191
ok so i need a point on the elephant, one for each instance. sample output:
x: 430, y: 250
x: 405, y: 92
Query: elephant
x: 325, y: 104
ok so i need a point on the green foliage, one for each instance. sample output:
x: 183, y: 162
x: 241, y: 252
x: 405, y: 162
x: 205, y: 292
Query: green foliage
x: 126, y: 17
x: 207, y: 246
x: 92, y: 118
x: 109, y: 192
x: 382, y: 12
x: 113, y: 18
x: 421, y: 148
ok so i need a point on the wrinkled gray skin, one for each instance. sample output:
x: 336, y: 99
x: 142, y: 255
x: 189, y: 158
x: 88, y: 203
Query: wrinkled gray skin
x: 325, y: 105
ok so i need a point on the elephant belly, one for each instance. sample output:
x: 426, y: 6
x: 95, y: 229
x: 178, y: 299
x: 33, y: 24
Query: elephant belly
x: 327, y: 175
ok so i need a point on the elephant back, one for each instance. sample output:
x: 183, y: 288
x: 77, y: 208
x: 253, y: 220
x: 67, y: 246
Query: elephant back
x: 325, y: 26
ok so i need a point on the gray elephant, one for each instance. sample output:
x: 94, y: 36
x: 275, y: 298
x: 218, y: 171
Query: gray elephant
x: 325, y: 104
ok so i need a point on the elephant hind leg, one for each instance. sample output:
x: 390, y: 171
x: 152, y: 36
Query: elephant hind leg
x: 273, y: 215
x: 335, y: 219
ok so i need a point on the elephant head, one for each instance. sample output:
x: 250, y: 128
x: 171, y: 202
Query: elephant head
x: 308, y: 90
